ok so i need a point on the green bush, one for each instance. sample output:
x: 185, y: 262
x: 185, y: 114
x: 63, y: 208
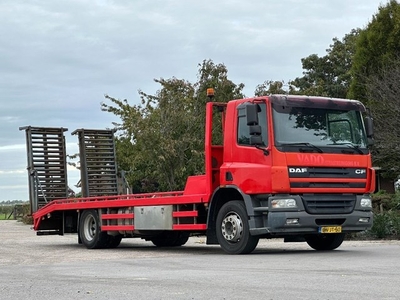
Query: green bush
x: 394, y: 222
x: 381, y: 228
x: 386, y: 216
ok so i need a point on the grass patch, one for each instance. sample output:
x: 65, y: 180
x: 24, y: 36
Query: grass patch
x: 3, y: 217
x: 6, y: 212
x: 14, y: 211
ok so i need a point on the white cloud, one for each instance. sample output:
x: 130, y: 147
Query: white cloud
x: 12, y: 172
x: 9, y: 119
x: 16, y: 147
x: 12, y: 187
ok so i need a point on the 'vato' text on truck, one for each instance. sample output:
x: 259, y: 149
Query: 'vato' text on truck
x: 290, y: 167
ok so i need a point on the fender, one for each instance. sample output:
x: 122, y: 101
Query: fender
x: 223, y: 195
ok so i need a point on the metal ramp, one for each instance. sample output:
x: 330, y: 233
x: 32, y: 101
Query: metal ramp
x: 47, y: 167
x: 97, y: 162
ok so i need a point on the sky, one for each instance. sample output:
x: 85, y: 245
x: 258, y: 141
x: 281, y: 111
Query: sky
x: 59, y: 58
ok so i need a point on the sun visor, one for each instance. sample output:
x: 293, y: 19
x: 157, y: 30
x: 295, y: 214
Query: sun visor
x: 317, y: 102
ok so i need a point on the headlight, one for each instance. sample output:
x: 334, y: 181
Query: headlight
x: 283, y: 203
x: 366, y: 202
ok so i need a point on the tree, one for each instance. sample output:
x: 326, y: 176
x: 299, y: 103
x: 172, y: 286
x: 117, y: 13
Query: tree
x: 153, y: 137
x: 160, y: 142
x: 377, y: 45
x: 328, y: 75
x: 128, y: 130
x: 215, y: 76
x: 375, y: 73
x: 384, y: 89
x: 272, y: 87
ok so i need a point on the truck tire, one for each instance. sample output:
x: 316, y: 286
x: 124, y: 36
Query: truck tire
x: 182, y: 238
x: 323, y: 242
x: 113, y: 241
x: 232, y: 229
x: 170, y: 239
x: 89, y: 230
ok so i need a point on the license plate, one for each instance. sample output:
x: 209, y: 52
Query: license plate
x: 330, y: 229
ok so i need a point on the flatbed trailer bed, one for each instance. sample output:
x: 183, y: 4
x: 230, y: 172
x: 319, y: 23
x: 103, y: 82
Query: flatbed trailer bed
x: 110, y: 203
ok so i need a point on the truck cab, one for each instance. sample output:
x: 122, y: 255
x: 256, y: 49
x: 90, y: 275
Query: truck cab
x: 293, y: 167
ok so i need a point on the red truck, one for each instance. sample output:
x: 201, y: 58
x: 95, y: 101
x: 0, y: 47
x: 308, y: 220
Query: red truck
x: 291, y: 167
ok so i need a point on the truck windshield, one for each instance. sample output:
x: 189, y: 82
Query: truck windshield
x: 318, y: 129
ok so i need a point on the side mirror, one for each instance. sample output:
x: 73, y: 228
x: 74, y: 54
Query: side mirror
x: 369, y: 126
x: 252, y: 111
x: 256, y: 140
x: 252, y: 114
x: 255, y: 135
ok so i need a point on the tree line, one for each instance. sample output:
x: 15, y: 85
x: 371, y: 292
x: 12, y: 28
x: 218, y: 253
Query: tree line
x: 159, y: 141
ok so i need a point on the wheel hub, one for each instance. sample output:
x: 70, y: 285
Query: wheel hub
x: 90, y: 228
x: 232, y: 227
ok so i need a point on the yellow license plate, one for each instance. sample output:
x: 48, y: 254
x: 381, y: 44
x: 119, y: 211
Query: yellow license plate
x: 330, y: 229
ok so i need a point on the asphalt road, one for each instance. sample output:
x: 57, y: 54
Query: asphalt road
x: 56, y: 267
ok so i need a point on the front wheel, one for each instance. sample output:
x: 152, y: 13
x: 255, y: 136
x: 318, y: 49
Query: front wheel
x: 233, y: 229
x: 325, y: 242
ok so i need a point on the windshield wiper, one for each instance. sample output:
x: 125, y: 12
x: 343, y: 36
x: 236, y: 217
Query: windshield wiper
x: 319, y: 150
x: 351, y: 146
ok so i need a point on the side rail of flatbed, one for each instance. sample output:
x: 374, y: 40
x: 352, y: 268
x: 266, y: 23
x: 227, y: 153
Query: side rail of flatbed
x: 129, y: 212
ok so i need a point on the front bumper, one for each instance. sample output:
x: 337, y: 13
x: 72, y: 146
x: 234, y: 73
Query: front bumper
x: 309, y: 214
x: 276, y: 223
x: 311, y: 223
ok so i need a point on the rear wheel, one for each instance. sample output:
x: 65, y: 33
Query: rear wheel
x: 89, y: 230
x: 182, y: 239
x: 233, y: 229
x: 323, y: 242
x: 170, y: 239
x: 113, y: 241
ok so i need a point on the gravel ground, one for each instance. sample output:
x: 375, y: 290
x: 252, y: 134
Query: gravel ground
x: 57, y: 267
x: 20, y: 245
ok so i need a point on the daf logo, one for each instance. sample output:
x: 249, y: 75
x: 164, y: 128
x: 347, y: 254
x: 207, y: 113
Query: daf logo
x: 360, y: 171
x: 297, y: 170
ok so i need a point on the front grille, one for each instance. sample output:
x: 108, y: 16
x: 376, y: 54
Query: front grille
x: 329, y: 204
x: 317, y: 177
x: 327, y: 185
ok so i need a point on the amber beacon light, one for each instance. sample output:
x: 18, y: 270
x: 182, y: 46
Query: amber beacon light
x: 210, y: 93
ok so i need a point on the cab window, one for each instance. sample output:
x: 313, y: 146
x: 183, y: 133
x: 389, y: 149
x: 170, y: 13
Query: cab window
x: 243, y: 130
